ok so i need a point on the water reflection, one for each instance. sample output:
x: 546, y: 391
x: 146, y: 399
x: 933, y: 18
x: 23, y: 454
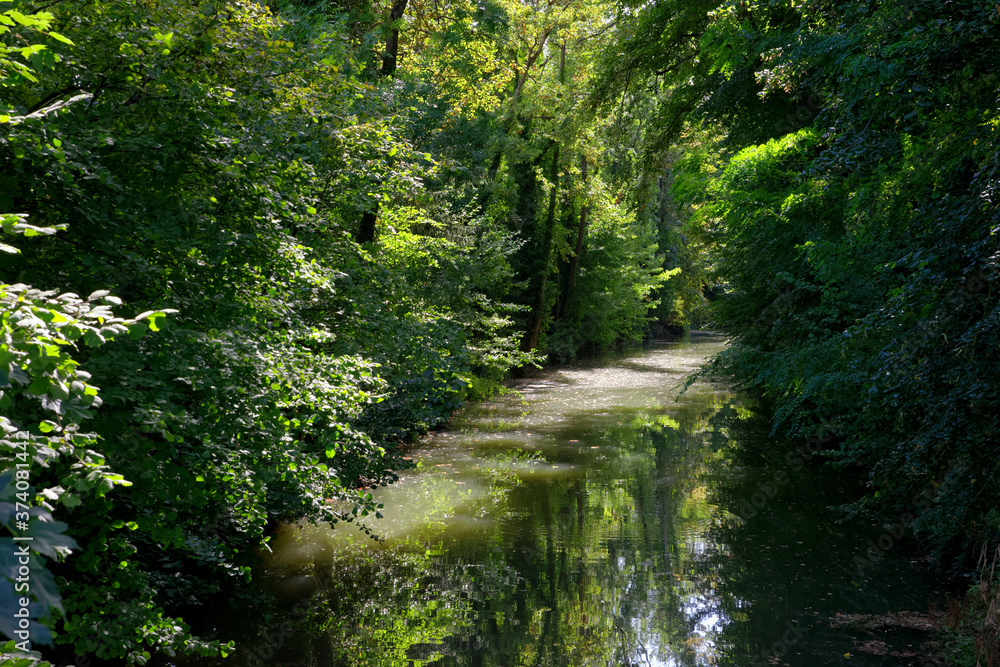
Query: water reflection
x: 598, y: 521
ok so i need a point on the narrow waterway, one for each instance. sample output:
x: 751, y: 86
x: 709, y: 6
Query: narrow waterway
x: 597, y: 517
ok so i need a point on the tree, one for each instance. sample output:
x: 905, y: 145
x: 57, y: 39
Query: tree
x: 847, y: 225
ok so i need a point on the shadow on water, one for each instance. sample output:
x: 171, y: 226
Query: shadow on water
x: 604, y: 519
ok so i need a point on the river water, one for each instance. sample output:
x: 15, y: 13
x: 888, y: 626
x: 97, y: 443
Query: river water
x: 599, y: 516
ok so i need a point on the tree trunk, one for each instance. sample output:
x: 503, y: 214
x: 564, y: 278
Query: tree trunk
x: 491, y: 176
x: 366, y: 228
x: 390, y: 57
x: 511, y: 114
x: 581, y: 232
x: 530, y: 340
x: 534, y: 331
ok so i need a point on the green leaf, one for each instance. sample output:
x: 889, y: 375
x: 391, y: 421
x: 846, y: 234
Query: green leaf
x: 32, y: 50
x: 137, y: 330
x: 65, y: 40
x: 27, y: 21
x: 50, y: 536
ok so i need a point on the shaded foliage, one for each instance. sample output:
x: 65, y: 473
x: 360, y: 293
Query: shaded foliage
x: 850, y: 203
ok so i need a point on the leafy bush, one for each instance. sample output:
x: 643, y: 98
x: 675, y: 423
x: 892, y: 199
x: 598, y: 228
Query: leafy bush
x: 51, y: 461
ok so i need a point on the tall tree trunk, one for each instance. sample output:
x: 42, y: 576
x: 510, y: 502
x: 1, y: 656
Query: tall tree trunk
x: 510, y: 116
x: 390, y: 57
x: 530, y: 340
x: 581, y: 232
x: 534, y: 331
x: 366, y: 229
x: 491, y: 176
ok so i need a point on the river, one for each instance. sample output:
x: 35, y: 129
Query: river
x: 597, y: 516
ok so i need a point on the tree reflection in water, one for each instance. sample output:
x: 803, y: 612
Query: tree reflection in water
x: 604, y: 525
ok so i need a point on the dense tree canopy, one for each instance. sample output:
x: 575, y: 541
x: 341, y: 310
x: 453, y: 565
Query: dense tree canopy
x: 340, y: 221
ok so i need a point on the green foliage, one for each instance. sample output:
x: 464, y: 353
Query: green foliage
x: 857, y: 246
x: 11, y: 655
x: 48, y: 395
x: 614, y: 289
x: 20, y: 59
x: 972, y: 637
x: 216, y: 161
x: 240, y: 414
x: 445, y: 282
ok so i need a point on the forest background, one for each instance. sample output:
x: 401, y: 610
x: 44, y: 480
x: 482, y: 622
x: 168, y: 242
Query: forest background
x: 334, y: 222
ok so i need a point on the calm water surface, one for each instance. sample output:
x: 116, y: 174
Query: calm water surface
x: 597, y: 517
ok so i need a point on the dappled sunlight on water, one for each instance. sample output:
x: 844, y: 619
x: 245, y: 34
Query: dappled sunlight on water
x: 596, y: 516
